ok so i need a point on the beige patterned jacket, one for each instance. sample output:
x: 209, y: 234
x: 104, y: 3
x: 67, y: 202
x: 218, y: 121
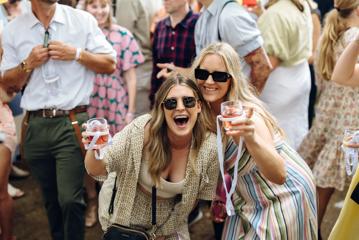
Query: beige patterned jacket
x: 124, y: 157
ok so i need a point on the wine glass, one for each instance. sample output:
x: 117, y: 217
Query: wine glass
x: 97, y: 133
x: 351, y: 138
x: 350, y: 148
x: 230, y: 111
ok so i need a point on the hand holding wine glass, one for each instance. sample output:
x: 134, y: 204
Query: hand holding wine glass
x: 96, y: 135
x: 237, y: 120
x: 231, y: 111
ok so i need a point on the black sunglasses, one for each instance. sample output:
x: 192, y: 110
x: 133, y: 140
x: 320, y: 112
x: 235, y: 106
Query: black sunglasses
x: 203, y: 74
x: 171, y: 103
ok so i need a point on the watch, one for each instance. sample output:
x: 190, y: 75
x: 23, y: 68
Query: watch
x: 24, y: 67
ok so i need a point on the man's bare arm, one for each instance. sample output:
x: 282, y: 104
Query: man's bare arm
x: 99, y: 63
x: 260, y: 68
x: 15, y: 79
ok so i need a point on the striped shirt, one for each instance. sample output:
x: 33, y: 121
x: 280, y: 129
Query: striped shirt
x: 173, y: 45
x: 265, y: 210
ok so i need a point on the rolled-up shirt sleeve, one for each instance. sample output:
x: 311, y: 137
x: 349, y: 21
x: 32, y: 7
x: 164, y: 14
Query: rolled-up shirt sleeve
x: 96, y: 40
x: 240, y: 31
x: 10, y: 58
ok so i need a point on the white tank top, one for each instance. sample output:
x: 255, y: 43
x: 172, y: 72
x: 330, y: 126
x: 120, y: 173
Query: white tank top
x: 165, y: 190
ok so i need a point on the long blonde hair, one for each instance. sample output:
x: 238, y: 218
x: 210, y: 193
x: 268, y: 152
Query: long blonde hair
x: 297, y: 3
x: 157, y: 150
x: 334, y: 27
x: 239, y: 88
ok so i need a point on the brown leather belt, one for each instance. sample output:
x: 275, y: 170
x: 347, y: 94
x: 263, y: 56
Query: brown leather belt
x: 53, y: 112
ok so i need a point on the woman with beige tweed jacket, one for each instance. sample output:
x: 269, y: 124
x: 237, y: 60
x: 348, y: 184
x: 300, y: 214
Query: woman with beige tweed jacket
x: 170, y: 148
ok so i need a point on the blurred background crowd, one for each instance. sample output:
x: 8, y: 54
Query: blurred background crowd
x: 152, y: 38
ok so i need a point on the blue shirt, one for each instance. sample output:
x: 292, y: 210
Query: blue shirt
x: 235, y: 26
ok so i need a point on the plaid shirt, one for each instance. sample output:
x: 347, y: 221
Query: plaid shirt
x: 172, y: 45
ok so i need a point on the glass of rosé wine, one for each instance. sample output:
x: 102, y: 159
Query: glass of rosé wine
x: 97, y: 133
x: 230, y: 111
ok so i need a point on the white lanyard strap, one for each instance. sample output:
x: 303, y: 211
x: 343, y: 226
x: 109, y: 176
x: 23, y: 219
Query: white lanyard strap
x: 351, y: 155
x: 229, y: 205
x: 351, y: 159
x: 99, y: 153
x: 94, y: 140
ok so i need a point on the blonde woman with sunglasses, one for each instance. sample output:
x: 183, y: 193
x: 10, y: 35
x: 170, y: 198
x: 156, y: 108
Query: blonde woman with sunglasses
x: 274, y: 195
x: 170, y: 148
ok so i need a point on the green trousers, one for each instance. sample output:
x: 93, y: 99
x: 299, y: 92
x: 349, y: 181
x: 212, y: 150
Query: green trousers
x: 54, y: 157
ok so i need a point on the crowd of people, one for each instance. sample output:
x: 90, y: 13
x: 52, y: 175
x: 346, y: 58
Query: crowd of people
x: 160, y: 72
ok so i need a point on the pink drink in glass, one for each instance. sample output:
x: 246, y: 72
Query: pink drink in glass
x: 230, y: 111
x: 98, y: 126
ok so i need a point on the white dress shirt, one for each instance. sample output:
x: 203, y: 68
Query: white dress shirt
x: 71, y: 26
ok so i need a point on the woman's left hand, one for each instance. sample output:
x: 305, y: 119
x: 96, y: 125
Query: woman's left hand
x: 244, y: 127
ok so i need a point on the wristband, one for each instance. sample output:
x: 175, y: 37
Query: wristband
x: 78, y: 54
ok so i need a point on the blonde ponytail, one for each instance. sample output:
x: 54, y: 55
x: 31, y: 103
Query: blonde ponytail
x: 333, y: 29
x: 335, y: 25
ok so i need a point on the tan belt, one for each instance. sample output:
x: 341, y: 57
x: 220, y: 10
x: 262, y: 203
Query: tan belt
x: 77, y: 130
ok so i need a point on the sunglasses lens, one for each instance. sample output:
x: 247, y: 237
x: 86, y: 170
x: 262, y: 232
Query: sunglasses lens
x: 201, y: 74
x: 220, y: 76
x: 170, y: 103
x: 189, y: 102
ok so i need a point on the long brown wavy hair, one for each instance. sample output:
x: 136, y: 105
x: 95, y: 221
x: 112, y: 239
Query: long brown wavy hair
x: 334, y: 27
x: 157, y: 151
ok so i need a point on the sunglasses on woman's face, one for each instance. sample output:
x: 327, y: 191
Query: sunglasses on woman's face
x: 171, y: 103
x: 217, y: 76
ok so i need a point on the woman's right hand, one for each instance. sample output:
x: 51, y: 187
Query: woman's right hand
x: 100, y: 143
x: 92, y: 165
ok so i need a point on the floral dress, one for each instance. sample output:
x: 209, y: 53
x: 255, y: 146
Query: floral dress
x: 336, y: 110
x: 109, y: 98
